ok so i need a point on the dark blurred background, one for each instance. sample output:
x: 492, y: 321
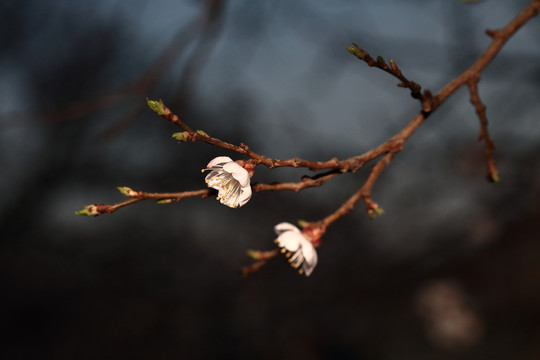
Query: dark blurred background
x: 451, y: 271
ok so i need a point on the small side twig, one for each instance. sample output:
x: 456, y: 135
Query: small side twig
x: 136, y: 196
x: 261, y: 258
x: 480, y: 108
x: 364, y: 193
x: 166, y: 198
x: 306, y: 182
x: 391, y: 68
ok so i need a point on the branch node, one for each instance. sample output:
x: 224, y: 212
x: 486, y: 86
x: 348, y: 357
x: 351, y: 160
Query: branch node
x: 396, y: 146
x: 491, y: 33
x: 427, y: 101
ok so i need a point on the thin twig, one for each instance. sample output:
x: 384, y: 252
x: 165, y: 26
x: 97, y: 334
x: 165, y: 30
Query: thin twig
x: 392, y: 69
x: 363, y: 193
x: 493, y: 174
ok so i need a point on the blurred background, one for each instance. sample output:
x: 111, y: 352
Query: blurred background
x: 451, y: 271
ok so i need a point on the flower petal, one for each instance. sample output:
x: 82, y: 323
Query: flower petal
x: 219, y: 160
x: 238, y: 172
x: 310, y: 257
x: 245, y: 196
x: 300, y: 250
x: 308, y: 268
x: 285, y: 226
x: 291, y: 241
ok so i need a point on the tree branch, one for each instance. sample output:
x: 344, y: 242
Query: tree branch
x: 385, y: 151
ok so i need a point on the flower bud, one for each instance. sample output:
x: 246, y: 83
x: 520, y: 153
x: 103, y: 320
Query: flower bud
x: 164, y: 201
x: 89, y: 210
x: 158, y: 107
x: 182, y: 136
x: 126, y: 191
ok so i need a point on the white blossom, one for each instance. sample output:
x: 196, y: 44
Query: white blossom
x: 298, y: 249
x: 231, y: 181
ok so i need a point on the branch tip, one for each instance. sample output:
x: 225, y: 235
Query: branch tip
x: 491, y: 33
x: 254, y: 254
x: 393, y: 65
x: 164, y: 201
x: 373, y: 213
x: 493, y: 176
x: 182, y: 136
x: 126, y: 191
x: 158, y: 107
x: 357, y: 51
x: 90, y: 210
